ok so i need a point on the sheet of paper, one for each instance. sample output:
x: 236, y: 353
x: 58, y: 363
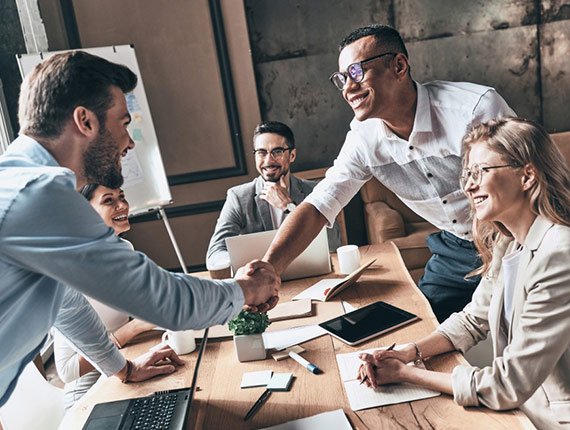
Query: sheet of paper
x: 319, y: 290
x: 333, y: 420
x: 256, y: 379
x: 348, y: 307
x: 363, y: 397
x: 282, y: 339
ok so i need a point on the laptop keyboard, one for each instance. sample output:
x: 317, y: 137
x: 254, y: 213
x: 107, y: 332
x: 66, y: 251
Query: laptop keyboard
x: 152, y: 412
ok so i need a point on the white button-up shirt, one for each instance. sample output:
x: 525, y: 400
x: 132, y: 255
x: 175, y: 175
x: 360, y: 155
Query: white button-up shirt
x: 423, y: 171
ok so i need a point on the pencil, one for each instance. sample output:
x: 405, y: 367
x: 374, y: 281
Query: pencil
x: 390, y: 348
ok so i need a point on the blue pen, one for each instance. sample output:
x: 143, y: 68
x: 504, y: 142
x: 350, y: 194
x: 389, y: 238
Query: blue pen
x: 306, y: 364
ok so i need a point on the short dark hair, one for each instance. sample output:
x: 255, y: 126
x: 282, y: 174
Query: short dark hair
x: 277, y: 128
x: 88, y: 190
x: 56, y: 86
x: 385, y: 35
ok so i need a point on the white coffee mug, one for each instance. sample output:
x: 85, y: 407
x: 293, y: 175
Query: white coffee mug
x: 348, y: 258
x: 182, y: 342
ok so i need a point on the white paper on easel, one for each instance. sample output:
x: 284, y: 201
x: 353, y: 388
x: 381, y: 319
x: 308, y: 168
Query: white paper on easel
x: 362, y: 397
x: 333, y: 420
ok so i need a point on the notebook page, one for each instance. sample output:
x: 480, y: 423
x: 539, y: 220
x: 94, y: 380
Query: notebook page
x: 363, y: 397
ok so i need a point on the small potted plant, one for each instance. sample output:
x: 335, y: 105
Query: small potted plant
x: 248, y: 340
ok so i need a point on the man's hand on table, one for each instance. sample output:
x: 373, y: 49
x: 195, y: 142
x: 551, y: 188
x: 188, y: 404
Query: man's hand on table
x: 260, y: 285
x: 151, y: 364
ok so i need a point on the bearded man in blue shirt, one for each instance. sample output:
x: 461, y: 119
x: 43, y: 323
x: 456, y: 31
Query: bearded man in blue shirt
x: 53, y: 245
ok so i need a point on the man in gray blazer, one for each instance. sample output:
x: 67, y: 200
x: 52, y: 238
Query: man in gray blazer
x: 263, y: 203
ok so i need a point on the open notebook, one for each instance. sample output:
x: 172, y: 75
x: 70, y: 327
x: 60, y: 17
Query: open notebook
x: 363, y: 397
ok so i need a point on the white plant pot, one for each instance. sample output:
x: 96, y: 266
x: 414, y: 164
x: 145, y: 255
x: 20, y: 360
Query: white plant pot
x: 250, y: 347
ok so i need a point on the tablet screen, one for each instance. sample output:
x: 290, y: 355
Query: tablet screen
x: 367, y: 322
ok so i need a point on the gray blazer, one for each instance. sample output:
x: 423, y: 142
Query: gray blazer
x: 245, y: 212
x: 531, y: 368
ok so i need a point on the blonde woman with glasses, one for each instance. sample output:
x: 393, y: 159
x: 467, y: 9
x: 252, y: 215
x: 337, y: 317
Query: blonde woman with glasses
x: 518, y: 184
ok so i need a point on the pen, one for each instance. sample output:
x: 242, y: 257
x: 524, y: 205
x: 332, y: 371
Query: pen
x: 306, y: 364
x: 390, y: 348
x: 257, y: 405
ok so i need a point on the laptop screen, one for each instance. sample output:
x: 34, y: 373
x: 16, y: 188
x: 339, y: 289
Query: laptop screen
x: 313, y: 261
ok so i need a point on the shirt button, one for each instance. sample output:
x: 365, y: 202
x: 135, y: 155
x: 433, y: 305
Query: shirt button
x: 454, y: 221
x: 429, y: 175
x: 466, y: 233
x: 410, y: 147
x: 444, y: 202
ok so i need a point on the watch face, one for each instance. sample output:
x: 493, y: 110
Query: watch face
x: 291, y: 206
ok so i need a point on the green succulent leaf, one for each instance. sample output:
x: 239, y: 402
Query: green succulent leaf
x: 249, y: 323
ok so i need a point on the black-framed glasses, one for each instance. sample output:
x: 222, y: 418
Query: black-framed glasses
x: 276, y: 153
x: 355, y: 72
x: 475, y: 173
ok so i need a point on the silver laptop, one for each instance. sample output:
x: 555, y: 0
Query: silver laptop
x: 314, y: 261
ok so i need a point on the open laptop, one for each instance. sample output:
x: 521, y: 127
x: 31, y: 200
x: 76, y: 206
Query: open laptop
x: 162, y: 410
x: 166, y: 410
x: 314, y: 261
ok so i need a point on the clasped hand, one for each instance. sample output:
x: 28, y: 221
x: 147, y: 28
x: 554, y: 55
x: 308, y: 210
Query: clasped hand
x: 381, y: 367
x: 260, y: 284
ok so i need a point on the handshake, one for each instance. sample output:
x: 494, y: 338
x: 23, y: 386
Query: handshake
x: 260, y: 285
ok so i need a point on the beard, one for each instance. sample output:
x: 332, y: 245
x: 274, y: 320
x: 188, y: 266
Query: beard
x: 275, y: 177
x: 102, y: 161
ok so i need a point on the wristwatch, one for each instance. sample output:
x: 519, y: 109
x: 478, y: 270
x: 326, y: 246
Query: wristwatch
x: 290, y: 207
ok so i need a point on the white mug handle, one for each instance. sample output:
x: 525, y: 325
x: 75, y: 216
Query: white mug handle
x: 164, y: 337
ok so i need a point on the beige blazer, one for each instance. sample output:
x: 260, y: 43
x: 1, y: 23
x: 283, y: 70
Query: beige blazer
x: 531, y: 366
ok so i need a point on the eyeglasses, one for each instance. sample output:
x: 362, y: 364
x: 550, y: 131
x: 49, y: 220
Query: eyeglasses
x: 276, y: 153
x: 355, y: 72
x: 475, y: 173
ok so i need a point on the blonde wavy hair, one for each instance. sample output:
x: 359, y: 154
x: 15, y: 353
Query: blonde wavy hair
x: 521, y: 142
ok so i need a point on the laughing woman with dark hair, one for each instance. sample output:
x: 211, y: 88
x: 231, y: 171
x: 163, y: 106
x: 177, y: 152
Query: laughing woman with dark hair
x: 519, y: 187
x: 74, y: 369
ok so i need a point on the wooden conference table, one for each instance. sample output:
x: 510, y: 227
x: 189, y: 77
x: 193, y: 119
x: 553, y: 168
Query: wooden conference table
x: 221, y: 404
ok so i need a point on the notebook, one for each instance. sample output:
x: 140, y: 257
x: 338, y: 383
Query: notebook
x: 164, y: 409
x: 363, y: 397
x: 313, y: 261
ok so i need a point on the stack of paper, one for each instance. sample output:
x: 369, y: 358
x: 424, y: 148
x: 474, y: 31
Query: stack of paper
x: 363, y: 397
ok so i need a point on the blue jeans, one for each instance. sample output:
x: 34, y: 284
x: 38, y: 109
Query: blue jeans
x: 444, y: 282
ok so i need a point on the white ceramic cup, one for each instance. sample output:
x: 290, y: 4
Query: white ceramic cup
x: 348, y: 259
x: 182, y: 342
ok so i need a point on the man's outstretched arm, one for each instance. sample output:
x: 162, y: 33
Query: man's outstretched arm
x: 295, y: 234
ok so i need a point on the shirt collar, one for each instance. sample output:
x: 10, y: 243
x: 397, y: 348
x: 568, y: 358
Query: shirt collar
x: 422, y: 119
x: 33, y: 150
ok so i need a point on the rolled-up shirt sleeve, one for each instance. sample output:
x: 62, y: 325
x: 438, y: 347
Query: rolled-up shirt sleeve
x: 342, y: 181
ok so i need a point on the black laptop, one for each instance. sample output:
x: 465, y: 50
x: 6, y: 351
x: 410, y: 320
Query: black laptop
x: 162, y: 410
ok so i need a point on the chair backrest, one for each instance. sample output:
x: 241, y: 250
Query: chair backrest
x: 35, y: 404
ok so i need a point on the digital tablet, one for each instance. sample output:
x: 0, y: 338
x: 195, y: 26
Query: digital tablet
x: 367, y: 322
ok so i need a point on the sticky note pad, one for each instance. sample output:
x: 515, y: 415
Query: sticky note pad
x: 256, y: 379
x: 280, y: 382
